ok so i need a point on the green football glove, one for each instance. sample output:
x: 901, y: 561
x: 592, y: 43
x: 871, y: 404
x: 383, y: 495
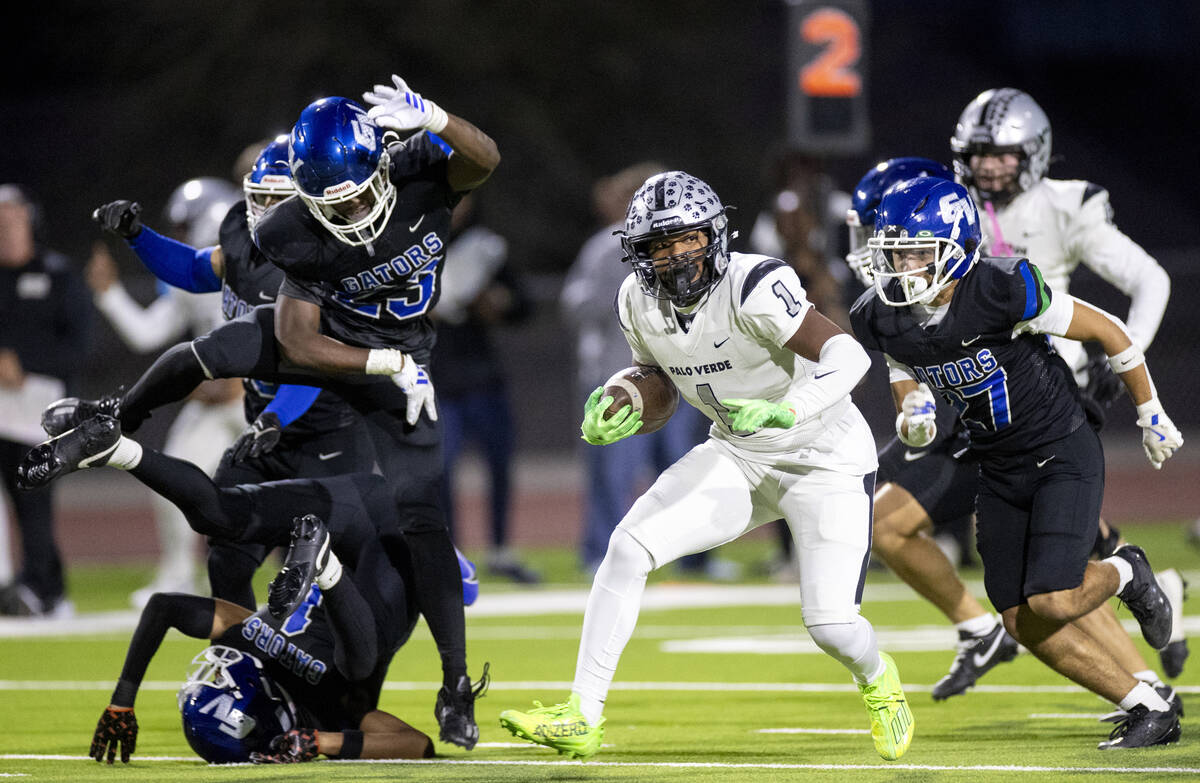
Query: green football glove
x: 753, y: 415
x: 599, y: 431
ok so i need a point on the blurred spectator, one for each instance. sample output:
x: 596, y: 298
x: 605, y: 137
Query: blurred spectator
x: 45, y: 314
x: 615, y: 473
x: 480, y: 291
x: 802, y: 225
x: 212, y: 418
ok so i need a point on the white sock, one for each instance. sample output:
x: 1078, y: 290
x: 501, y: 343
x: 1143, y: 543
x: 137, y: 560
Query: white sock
x: 608, y: 622
x: 1150, y: 677
x: 127, y: 456
x: 1145, y: 695
x: 978, y: 626
x: 1124, y: 570
x: 328, y: 576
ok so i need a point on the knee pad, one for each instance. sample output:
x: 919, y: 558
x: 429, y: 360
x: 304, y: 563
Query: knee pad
x: 846, y: 642
x: 625, y: 559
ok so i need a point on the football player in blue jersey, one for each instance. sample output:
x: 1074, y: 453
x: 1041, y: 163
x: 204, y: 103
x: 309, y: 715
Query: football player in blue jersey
x: 361, y: 248
x: 293, y: 430
x: 974, y: 329
x: 322, y: 662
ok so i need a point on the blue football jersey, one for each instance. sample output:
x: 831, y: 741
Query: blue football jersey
x: 1012, y: 394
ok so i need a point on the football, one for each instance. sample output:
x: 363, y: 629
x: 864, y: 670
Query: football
x: 648, y: 390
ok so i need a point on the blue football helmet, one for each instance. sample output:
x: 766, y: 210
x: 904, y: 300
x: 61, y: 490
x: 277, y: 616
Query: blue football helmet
x: 865, y: 201
x: 667, y: 204
x: 340, y: 167
x: 230, y: 707
x: 926, y: 237
x: 269, y: 180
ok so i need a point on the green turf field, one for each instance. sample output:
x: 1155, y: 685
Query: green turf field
x: 719, y: 683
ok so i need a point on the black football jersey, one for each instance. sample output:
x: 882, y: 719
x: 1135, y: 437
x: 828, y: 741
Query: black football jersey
x: 378, y: 297
x: 250, y: 281
x: 1012, y: 394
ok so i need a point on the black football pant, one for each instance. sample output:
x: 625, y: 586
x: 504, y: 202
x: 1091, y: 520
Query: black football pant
x: 410, y: 457
x: 41, y: 563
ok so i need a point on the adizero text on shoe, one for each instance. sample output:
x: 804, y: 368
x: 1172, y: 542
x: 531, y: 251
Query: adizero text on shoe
x: 976, y: 656
x: 69, y: 412
x: 1142, y: 728
x: 306, y: 556
x: 1145, y: 598
x: 87, y: 446
x: 561, y: 727
x: 455, y: 710
x: 891, y: 718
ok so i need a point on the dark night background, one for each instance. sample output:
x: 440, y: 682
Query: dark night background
x: 127, y: 100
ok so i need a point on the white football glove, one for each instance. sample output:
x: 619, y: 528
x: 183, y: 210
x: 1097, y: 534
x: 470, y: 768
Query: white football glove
x: 400, y: 109
x: 409, y: 376
x: 920, y: 411
x: 1160, y: 437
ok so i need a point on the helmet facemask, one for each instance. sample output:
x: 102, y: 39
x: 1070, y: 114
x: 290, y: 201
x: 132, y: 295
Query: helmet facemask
x: 859, y: 256
x: 683, y: 278
x: 356, y: 213
x: 916, y: 284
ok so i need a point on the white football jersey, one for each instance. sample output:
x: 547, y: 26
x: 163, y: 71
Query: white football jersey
x: 734, y: 348
x: 1060, y: 224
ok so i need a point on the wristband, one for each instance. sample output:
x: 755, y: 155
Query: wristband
x: 352, y: 745
x: 438, y: 119
x: 385, y: 361
x: 1127, y: 359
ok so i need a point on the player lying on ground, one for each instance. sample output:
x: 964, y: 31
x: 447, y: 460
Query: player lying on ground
x: 346, y: 628
x: 787, y: 441
x: 973, y: 328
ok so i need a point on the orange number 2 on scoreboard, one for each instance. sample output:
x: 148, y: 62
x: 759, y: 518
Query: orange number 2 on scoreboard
x: 831, y: 74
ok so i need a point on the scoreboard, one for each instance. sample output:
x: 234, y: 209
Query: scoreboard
x: 827, y: 71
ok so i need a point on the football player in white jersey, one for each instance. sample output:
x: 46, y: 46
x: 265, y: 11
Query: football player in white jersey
x: 743, y: 345
x: 1001, y: 148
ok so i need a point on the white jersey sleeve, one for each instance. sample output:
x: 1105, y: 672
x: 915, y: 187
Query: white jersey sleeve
x: 1108, y: 252
x: 774, y: 304
x: 641, y: 354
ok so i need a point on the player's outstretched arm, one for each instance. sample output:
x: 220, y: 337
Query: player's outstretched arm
x: 193, y: 615
x: 380, y: 736
x: 298, y: 330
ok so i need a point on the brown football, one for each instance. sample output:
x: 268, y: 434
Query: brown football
x: 648, y: 389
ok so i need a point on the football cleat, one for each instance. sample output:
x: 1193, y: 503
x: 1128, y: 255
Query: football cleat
x: 1168, y: 694
x: 87, y: 446
x: 69, y: 412
x: 976, y: 656
x: 1176, y: 652
x: 455, y: 710
x: 561, y: 727
x: 1142, y: 728
x: 1145, y: 599
x: 306, y: 556
x: 891, y: 719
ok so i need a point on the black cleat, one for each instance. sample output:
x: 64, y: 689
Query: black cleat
x: 1172, y: 657
x: 1145, y: 598
x: 87, y: 446
x: 69, y: 412
x: 307, y: 555
x: 976, y: 656
x: 1176, y: 652
x: 455, y: 710
x: 1168, y: 695
x: 1142, y: 728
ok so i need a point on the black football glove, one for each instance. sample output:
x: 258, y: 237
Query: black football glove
x: 1103, y: 385
x: 297, y: 745
x: 117, y: 726
x: 122, y: 218
x: 259, y: 438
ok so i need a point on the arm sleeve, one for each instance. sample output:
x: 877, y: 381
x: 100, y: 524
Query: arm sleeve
x: 898, y: 371
x: 841, y: 365
x: 143, y: 329
x: 176, y: 263
x: 1122, y: 263
x: 192, y: 615
x: 291, y: 401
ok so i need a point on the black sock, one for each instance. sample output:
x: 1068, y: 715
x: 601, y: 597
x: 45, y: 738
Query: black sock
x: 172, y: 377
x: 439, y: 597
x: 189, y: 488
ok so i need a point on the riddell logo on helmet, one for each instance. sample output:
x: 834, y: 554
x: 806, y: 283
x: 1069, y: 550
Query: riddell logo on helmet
x: 340, y: 188
x: 674, y: 220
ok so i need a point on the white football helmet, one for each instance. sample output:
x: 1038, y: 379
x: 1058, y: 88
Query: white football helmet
x: 1002, y: 120
x: 667, y: 204
x: 196, y: 209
